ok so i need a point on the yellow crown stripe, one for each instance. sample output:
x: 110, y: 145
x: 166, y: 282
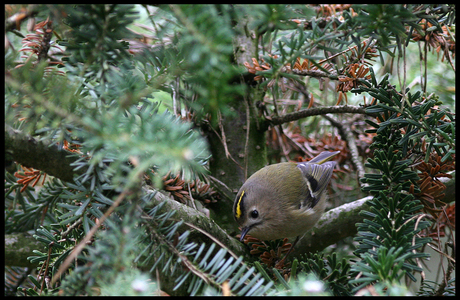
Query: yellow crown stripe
x: 238, y: 206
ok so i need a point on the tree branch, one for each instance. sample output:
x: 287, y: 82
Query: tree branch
x: 335, y: 225
x: 340, y: 222
x: 198, y: 219
x: 315, y: 73
x: 39, y: 155
x: 294, y: 116
x: 19, y: 246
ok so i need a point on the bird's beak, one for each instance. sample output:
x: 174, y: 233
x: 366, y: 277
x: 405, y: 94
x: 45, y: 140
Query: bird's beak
x: 244, y: 231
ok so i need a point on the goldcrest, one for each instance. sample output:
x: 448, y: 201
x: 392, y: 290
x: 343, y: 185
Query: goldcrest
x: 285, y: 199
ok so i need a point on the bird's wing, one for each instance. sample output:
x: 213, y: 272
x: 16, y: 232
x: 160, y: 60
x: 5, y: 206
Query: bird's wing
x: 317, y: 178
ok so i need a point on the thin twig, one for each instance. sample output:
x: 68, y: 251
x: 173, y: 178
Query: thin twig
x: 223, y: 139
x: 191, y: 197
x: 86, y: 239
x: 246, y: 143
x: 422, y: 273
x: 212, y: 238
x: 183, y: 258
x: 447, y: 53
x: 347, y: 135
x: 222, y: 188
x: 71, y: 227
x: 46, y: 267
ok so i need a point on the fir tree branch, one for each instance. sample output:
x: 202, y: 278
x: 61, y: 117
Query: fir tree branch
x: 45, y: 42
x: 339, y: 222
x: 40, y: 155
x: 132, y: 190
x: 192, y: 216
x: 333, y: 226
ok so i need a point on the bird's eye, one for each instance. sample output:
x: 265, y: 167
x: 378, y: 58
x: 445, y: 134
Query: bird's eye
x: 254, y: 214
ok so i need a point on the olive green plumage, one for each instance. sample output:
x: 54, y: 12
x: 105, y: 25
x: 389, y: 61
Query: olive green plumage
x: 285, y: 199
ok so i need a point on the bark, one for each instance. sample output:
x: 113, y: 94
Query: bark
x: 40, y: 155
x: 238, y: 142
x: 335, y: 225
x: 19, y: 246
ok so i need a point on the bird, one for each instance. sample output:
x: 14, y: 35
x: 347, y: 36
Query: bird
x: 285, y: 199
